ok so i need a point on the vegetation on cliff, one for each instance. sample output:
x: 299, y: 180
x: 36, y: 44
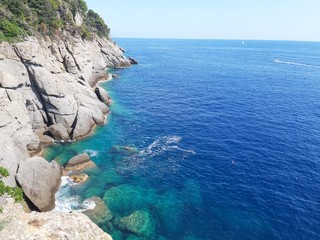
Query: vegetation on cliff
x: 20, y: 18
x: 15, y: 192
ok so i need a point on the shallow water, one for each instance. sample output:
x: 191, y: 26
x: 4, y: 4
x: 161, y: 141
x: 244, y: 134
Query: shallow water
x: 208, y: 140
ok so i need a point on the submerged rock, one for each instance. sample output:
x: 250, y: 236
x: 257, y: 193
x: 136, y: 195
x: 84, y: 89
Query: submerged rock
x: 40, y: 181
x: 100, y: 213
x: 139, y: 222
x: 125, y: 198
x: 124, y: 149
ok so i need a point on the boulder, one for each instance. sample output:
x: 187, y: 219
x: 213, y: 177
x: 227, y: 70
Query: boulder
x: 115, y: 76
x: 100, y: 213
x: 103, y: 95
x: 59, y: 132
x: 40, y: 181
x: 79, y: 163
x: 34, y: 143
x: 43, y: 138
x: 139, y: 222
x: 133, y: 61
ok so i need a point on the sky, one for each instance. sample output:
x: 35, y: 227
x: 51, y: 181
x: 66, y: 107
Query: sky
x: 212, y: 19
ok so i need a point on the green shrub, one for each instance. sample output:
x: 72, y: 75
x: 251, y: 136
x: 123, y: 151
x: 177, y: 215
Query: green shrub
x: 10, y: 29
x: 57, y: 23
x: 55, y: 4
x: 96, y: 24
x: 85, y: 33
x: 14, y: 192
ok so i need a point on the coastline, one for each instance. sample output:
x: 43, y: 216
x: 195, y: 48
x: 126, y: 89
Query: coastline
x: 50, y: 93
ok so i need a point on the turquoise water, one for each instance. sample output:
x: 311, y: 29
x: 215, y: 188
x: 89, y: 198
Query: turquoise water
x: 208, y: 140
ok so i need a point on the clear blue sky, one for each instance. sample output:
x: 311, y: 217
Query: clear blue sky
x: 212, y: 19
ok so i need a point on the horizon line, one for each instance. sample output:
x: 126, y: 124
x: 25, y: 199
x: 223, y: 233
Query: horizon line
x: 218, y: 39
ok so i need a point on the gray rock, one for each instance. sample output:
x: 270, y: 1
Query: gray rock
x: 9, y: 81
x: 34, y: 143
x: 79, y: 163
x: 49, y: 225
x: 78, y: 19
x: 133, y: 61
x: 103, y: 95
x: 40, y: 180
x: 115, y: 76
x: 59, y: 132
x: 101, y: 213
x: 79, y: 159
x: 3, y: 202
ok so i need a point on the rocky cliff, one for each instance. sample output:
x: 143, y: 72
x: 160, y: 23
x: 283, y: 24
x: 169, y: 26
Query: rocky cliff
x: 47, y: 87
x: 48, y: 92
x: 16, y: 224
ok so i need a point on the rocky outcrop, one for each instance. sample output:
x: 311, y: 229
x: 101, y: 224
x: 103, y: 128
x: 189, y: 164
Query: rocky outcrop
x: 16, y: 224
x: 133, y: 61
x: 79, y: 163
x: 40, y: 180
x: 47, y: 90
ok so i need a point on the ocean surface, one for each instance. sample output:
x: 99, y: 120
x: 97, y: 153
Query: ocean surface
x: 207, y: 140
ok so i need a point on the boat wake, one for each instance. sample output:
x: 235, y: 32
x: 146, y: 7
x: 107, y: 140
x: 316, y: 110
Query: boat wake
x: 68, y: 201
x: 296, y: 64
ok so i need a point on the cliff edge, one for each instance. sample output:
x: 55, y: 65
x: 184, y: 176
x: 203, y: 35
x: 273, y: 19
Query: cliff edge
x: 49, y: 67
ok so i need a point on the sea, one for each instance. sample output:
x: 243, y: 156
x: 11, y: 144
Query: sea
x: 206, y: 140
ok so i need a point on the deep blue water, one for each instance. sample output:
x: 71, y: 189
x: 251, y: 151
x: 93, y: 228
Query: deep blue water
x: 224, y: 140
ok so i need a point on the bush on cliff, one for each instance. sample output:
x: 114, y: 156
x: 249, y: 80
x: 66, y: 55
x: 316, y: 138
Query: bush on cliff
x: 14, y: 192
x: 19, y: 18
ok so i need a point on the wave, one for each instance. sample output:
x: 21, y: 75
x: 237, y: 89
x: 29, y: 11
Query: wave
x: 295, y: 63
x: 68, y: 201
x: 92, y: 153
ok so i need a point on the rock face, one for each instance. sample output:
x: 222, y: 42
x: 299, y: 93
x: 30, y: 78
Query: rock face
x: 40, y: 180
x: 48, y: 86
x: 16, y: 224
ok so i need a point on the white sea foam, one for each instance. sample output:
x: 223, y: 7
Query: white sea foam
x: 295, y: 63
x: 67, y: 200
x: 92, y: 153
x: 165, y: 148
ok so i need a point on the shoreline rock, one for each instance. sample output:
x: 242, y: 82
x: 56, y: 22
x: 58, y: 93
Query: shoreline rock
x: 47, y: 93
x: 16, y: 224
x: 40, y: 180
x: 79, y: 163
x: 133, y: 61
